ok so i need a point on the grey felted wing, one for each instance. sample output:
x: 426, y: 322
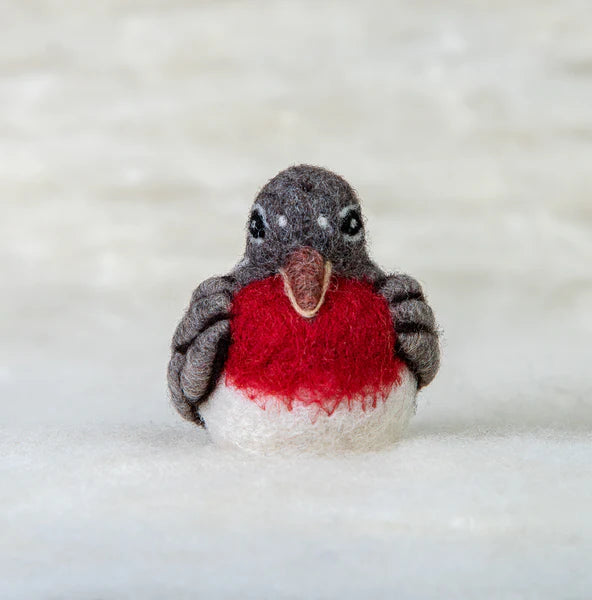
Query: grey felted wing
x: 200, y: 346
x: 417, y: 335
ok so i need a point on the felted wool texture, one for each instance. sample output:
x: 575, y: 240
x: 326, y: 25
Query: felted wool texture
x: 417, y: 334
x: 345, y: 354
x: 303, y: 207
x: 306, y: 276
x: 234, y: 420
x: 290, y: 205
x: 200, y: 345
x: 475, y: 183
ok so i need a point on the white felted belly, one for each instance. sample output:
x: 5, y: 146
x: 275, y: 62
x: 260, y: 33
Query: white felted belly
x: 232, y: 419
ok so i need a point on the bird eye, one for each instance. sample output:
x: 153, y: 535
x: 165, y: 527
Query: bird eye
x: 256, y: 225
x: 351, y: 224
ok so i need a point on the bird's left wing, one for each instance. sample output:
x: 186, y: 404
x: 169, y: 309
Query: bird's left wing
x: 417, y: 334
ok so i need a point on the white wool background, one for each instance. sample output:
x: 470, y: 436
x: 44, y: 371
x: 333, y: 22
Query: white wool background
x: 133, y: 138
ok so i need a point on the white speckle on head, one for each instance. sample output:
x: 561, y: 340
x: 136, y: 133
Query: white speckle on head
x: 323, y: 222
x: 282, y: 221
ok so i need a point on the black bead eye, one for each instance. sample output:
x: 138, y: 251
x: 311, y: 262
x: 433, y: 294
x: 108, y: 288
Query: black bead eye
x: 257, y: 226
x: 352, y: 223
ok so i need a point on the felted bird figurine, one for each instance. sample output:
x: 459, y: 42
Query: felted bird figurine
x: 306, y: 343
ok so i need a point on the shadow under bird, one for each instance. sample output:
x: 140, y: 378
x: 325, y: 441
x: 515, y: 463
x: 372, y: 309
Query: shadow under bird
x: 306, y: 343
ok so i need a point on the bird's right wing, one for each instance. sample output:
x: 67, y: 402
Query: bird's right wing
x: 200, y: 346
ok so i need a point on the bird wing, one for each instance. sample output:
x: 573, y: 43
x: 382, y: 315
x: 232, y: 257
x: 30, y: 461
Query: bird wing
x: 417, y: 334
x: 200, y: 346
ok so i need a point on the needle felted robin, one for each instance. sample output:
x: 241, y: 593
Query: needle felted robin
x: 307, y: 343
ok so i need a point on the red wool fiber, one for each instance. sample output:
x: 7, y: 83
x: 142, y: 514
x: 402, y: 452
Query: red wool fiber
x: 344, y: 353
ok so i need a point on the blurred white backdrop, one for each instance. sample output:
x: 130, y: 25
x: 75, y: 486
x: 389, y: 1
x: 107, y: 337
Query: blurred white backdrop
x: 133, y: 137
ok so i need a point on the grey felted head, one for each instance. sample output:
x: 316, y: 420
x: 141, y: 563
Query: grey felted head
x: 306, y: 206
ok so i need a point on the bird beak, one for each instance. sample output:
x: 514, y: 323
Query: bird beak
x: 306, y: 279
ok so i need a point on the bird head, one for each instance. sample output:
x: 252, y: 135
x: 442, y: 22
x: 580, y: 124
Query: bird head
x: 306, y: 224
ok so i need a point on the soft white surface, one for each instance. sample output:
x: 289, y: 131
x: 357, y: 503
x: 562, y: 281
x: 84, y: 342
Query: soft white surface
x: 133, y: 135
x: 266, y: 427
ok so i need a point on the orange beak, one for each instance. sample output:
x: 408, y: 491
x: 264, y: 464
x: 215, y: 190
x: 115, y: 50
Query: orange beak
x: 306, y: 279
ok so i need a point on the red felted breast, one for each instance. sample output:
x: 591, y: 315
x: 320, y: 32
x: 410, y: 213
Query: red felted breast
x: 346, y: 352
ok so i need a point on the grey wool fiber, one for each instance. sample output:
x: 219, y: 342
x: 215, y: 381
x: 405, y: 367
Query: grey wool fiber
x: 302, y: 206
